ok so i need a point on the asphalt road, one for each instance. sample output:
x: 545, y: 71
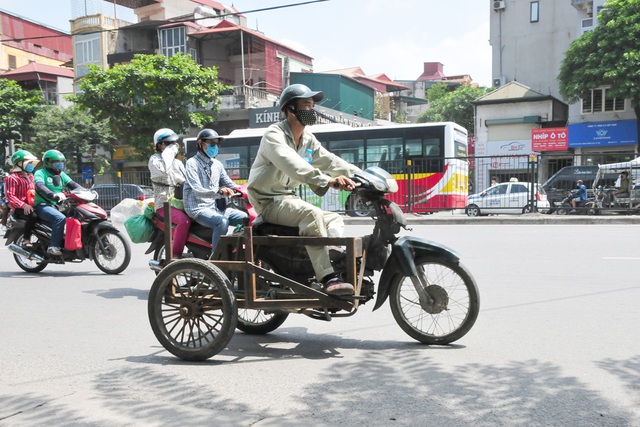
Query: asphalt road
x: 555, y: 344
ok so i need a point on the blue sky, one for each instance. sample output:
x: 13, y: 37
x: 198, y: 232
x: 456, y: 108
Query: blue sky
x: 394, y: 37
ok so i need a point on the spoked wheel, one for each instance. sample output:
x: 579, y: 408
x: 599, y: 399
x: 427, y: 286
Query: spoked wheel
x: 192, y: 310
x: 259, y: 322
x: 116, y: 255
x: 452, y: 312
x: 29, y: 264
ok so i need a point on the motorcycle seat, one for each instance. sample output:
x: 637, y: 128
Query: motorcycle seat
x: 269, y: 229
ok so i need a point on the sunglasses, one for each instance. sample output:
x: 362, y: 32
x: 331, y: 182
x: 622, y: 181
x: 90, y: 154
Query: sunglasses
x: 211, y: 142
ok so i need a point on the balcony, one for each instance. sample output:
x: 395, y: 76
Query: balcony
x: 96, y: 22
x: 244, y: 97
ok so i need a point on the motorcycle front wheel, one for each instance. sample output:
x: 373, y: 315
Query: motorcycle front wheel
x: 115, y: 257
x: 30, y: 265
x: 192, y: 310
x: 452, y: 312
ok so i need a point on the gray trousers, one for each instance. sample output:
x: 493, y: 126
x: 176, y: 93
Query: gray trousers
x: 312, y: 221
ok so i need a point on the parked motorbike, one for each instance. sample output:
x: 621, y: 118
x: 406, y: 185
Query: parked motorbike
x: 198, y: 243
x: 195, y: 305
x: 586, y: 207
x: 100, y: 240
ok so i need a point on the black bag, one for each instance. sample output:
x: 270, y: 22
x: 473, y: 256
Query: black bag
x: 178, y: 191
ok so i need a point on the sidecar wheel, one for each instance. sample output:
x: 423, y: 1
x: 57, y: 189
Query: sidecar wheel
x: 117, y: 254
x: 192, y: 310
x: 26, y: 264
x: 455, y: 304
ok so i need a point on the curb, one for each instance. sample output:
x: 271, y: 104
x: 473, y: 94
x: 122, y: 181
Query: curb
x: 533, y: 218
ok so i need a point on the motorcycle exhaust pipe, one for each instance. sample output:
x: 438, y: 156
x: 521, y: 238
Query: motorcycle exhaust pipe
x: 24, y: 253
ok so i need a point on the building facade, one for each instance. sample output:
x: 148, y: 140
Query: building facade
x: 528, y: 40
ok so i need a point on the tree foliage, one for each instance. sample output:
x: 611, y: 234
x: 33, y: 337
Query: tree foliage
x: 72, y: 131
x: 452, y: 106
x: 609, y: 56
x: 149, y: 93
x: 17, y: 107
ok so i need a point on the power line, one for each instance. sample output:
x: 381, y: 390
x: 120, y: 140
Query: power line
x: 177, y: 21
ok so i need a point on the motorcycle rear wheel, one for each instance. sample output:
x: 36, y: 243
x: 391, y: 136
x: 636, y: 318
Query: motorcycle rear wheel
x: 26, y: 264
x: 117, y: 255
x: 192, y: 310
x: 260, y: 322
x: 455, y: 307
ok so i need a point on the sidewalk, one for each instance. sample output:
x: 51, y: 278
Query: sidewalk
x: 459, y: 217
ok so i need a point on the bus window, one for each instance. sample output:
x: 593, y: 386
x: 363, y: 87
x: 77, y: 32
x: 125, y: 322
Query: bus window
x: 386, y: 153
x: 351, y: 151
x: 432, y: 148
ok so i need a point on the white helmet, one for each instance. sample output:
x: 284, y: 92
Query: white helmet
x: 164, y: 135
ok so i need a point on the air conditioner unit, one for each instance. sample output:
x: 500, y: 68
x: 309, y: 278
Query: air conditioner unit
x: 499, y: 81
x: 499, y: 5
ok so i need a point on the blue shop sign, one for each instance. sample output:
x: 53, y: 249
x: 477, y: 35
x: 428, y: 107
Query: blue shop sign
x: 87, y: 173
x: 603, y: 134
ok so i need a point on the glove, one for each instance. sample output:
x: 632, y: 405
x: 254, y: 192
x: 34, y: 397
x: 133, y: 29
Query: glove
x: 60, y: 197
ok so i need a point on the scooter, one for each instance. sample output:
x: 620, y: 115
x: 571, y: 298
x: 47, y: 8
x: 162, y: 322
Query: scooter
x: 586, y: 207
x: 195, y: 305
x: 100, y: 240
x: 198, y: 243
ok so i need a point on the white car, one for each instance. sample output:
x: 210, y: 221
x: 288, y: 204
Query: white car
x: 507, y: 198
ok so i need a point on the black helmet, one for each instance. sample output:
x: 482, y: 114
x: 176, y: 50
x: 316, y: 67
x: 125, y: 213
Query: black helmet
x: 208, y: 134
x: 298, y: 91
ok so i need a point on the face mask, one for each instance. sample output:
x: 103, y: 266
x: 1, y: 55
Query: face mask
x: 306, y: 117
x: 212, y: 151
x: 58, y: 166
x: 578, y: 185
x: 29, y: 168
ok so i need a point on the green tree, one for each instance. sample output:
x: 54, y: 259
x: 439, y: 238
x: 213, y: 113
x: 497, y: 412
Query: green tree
x: 72, y: 131
x: 455, y: 106
x: 608, y: 56
x: 17, y: 107
x: 149, y: 93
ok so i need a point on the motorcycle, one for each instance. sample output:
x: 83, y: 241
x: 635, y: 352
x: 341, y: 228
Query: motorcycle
x: 100, y: 240
x: 198, y: 243
x: 194, y: 305
x: 587, y: 207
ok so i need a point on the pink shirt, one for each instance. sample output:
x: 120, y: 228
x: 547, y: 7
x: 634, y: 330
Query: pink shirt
x: 16, y: 187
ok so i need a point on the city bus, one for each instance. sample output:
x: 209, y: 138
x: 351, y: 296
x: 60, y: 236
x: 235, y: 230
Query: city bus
x: 429, y: 162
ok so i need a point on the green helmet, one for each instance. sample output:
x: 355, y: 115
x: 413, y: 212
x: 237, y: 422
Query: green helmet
x: 20, y: 156
x: 54, y: 161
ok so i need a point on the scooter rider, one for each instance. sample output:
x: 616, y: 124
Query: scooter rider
x: 206, y: 186
x: 279, y: 168
x: 50, y: 181
x: 579, y: 197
